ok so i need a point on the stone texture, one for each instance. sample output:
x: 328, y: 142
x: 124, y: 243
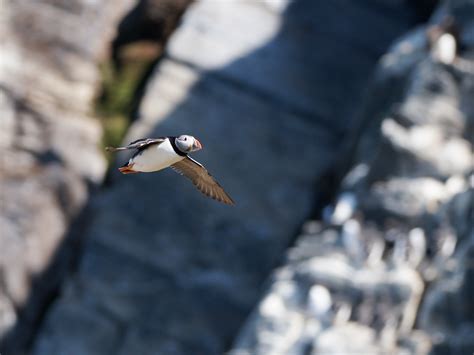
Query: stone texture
x: 266, y: 87
x: 48, y: 138
x: 369, y: 306
x: 402, y: 226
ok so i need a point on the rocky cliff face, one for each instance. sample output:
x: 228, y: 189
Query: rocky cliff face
x: 267, y: 88
x: 387, y: 267
x: 48, y: 139
x: 293, y: 107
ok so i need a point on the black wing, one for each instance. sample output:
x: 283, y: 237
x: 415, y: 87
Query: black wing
x: 138, y: 144
x: 201, y: 178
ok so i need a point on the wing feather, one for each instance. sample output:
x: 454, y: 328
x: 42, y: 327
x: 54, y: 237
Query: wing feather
x: 201, y: 178
x: 138, y: 144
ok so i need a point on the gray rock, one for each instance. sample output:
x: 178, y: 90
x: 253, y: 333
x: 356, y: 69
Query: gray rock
x: 402, y: 220
x: 49, y: 141
x: 447, y: 312
x: 381, y: 301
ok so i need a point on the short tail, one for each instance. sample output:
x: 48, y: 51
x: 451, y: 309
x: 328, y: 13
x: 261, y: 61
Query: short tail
x: 128, y: 169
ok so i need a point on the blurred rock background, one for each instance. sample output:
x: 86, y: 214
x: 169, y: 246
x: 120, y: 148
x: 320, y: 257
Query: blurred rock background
x: 344, y: 137
x: 50, y: 158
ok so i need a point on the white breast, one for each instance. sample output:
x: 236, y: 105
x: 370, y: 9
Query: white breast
x: 155, y: 157
x: 445, y: 49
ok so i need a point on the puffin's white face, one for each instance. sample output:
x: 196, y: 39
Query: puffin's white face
x: 187, y: 144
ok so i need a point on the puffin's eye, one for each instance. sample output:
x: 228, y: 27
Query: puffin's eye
x: 185, y: 138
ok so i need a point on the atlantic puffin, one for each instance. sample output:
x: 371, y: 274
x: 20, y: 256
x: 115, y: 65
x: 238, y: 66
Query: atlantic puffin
x: 154, y: 154
x: 444, y: 40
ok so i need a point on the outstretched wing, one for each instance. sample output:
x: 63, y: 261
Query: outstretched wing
x: 201, y: 178
x: 138, y: 144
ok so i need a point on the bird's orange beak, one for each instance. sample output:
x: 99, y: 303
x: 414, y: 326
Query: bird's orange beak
x: 197, y: 145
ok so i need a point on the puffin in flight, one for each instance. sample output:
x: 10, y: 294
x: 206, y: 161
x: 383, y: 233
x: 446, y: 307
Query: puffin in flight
x: 154, y: 154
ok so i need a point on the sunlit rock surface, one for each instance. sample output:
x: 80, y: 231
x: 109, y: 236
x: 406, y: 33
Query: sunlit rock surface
x: 48, y: 140
x: 270, y: 89
x: 395, y: 249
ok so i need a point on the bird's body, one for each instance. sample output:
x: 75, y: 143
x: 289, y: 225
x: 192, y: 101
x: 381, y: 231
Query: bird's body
x: 155, y: 158
x: 155, y: 154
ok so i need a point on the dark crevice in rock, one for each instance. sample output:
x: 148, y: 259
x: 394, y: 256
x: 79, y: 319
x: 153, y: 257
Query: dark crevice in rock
x: 136, y: 50
x: 152, y: 22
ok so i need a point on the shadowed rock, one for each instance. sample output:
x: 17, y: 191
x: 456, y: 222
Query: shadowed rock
x: 396, y: 244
